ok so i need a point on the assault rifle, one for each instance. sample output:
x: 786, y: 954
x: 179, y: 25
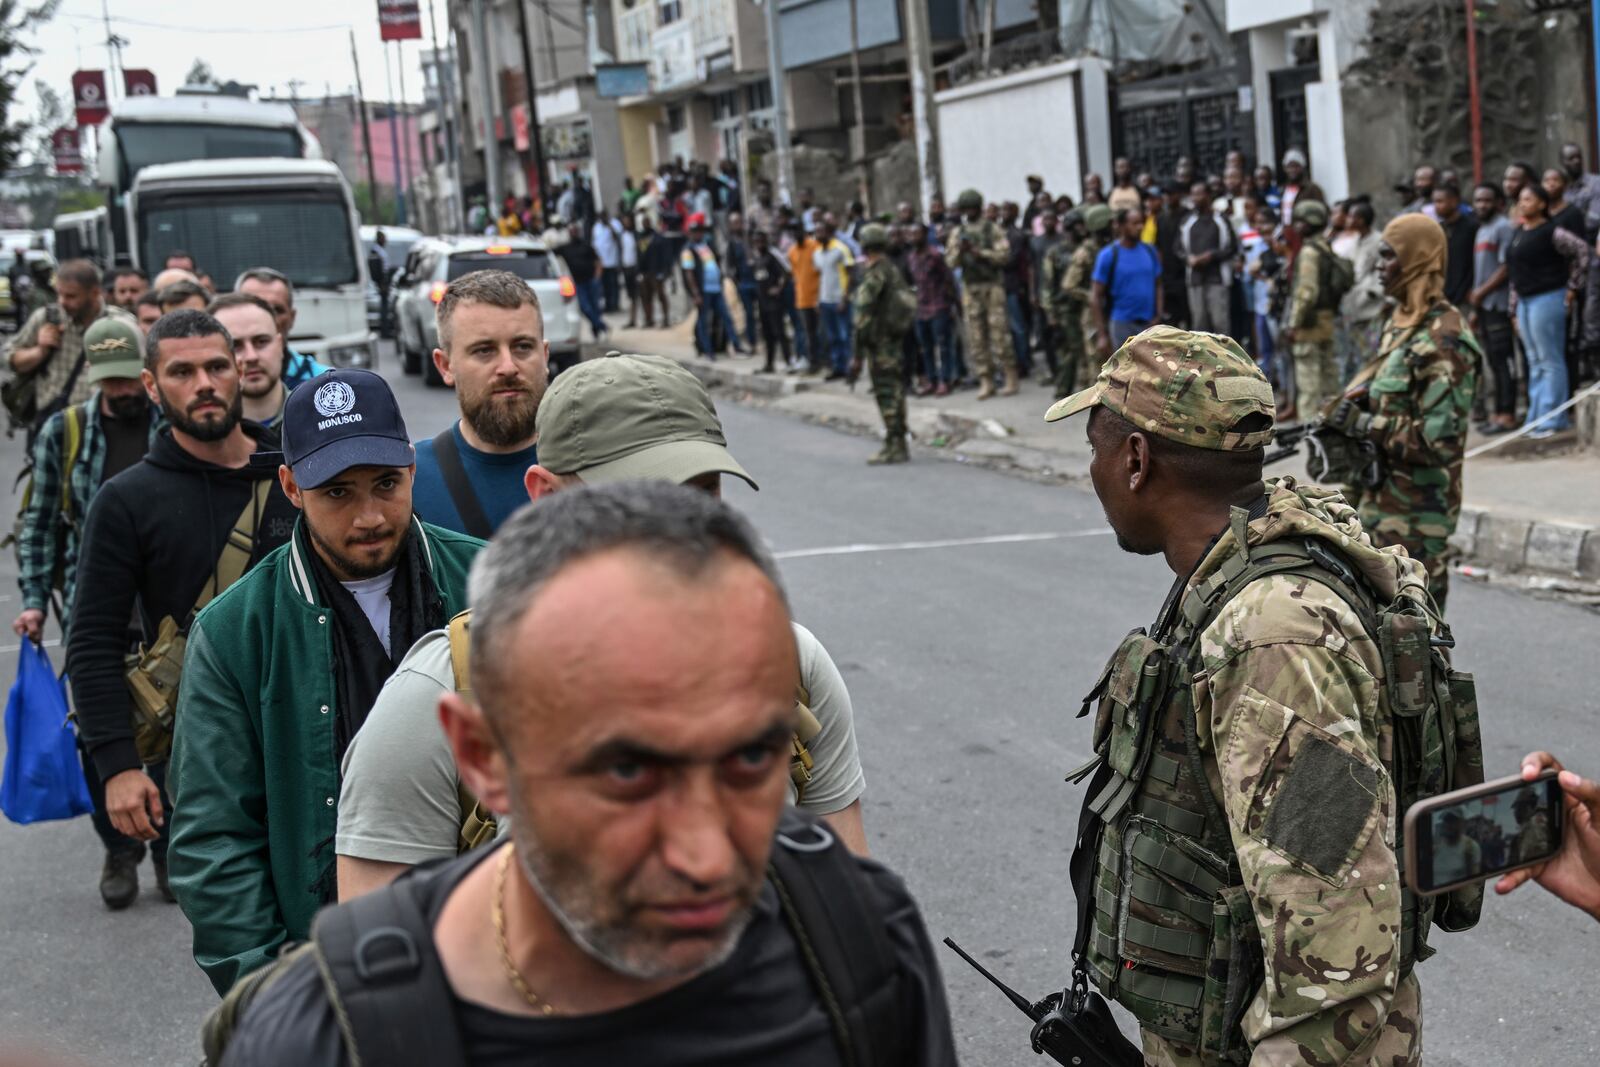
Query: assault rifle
x: 1072, y: 1027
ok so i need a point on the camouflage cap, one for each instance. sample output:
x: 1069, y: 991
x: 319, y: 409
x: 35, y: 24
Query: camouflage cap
x: 1191, y: 388
x: 112, y: 348
x: 874, y: 238
x: 632, y: 417
x: 1097, y: 217
x: 1310, y: 212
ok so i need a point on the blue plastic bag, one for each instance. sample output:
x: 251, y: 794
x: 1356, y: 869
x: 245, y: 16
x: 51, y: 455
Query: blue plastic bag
x: 43, y: 779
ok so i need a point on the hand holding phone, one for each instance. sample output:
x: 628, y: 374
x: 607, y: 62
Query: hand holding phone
x: 1573, y: 873
x: 1463, y: 837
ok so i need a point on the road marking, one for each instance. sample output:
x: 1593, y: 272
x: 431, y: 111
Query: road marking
x: 953, y: 542
x: 51, y: 643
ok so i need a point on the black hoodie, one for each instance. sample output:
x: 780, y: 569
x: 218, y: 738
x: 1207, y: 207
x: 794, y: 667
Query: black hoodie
x: 150, y: 542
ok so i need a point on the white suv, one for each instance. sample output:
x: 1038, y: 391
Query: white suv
x: 434, y: 262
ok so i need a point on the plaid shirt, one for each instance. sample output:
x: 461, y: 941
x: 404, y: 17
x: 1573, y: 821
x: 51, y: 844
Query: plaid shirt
x: 57, y: 369
x: 44, y: 529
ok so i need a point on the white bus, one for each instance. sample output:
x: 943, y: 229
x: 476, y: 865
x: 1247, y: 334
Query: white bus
x: 146, y: 131
x: 294, y: 215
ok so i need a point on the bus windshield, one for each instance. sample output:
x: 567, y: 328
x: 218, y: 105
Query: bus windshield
x: 303, y: 233
x: 145, y: 144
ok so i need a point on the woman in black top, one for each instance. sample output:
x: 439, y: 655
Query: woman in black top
x: 1566, y: 215
x: 1547, y: 263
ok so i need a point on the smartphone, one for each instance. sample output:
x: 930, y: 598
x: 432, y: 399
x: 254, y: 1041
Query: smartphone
x: 1459, y: 838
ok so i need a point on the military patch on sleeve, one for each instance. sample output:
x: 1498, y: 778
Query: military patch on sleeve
x: 1323, y: 808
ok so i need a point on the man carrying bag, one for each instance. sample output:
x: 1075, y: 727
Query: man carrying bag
x: 167, y: 534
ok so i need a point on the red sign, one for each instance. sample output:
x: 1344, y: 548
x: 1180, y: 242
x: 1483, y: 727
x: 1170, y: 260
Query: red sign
x: 139, y: 82
x: 89, y: 96
x: 519, y: 127
x: 399, y: 20
x: 64, y: 146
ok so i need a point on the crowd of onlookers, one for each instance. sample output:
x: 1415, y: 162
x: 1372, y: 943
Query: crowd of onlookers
x: 1220, y: 249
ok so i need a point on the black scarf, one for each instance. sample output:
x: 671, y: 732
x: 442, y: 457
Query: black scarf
x: 360, y: 665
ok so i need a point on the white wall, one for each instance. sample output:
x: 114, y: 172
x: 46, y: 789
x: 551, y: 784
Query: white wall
x: 1249, y: 14
x: 995, y: 131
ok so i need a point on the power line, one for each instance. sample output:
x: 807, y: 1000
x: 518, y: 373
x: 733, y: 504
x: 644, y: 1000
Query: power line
x: 146, y: 24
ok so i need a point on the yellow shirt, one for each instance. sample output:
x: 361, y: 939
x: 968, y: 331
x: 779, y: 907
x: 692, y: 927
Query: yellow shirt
x: 1148, y: 234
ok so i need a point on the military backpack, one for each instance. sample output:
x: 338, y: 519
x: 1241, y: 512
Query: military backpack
x: 74, y: 418
x: 1166, y: 926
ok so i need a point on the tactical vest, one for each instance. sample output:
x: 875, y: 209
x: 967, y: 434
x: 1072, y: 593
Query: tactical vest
x: 1166, y: 926
x: 975, y: 269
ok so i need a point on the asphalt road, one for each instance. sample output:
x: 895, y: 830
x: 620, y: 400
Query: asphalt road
x: 966, y: 663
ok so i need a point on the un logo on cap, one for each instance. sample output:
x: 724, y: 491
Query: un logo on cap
x: 334, y: 398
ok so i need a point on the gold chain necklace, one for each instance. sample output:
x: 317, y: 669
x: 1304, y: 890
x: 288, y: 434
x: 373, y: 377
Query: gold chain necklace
x: 499, y: 914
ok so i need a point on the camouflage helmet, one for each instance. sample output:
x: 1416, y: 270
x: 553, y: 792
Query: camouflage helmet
x: 1071, y: 218
x: 1313, y: 213
x: 969, y: 200
x: 874, y: 237
x: 1097, y: 217
x: 1192, y: 388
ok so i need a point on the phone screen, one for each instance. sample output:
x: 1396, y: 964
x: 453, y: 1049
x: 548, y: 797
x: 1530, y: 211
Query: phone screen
x: 1485, y: 833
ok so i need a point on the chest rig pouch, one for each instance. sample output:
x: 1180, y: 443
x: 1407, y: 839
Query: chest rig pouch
x: 1166, y: 927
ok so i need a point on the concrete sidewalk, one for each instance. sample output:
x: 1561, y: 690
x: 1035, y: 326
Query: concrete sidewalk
x: 1530, y: 514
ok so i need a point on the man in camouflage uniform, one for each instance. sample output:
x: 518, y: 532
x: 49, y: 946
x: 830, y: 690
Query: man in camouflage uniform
x: 978, y: 248
x: 1239, y: 868
x: 878, y: 345
x: 1310, y: 315
x: 1068, y: 288
x: 1533, y: 831
x: 1413, y: 401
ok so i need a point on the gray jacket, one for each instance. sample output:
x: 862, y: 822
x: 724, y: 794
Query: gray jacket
x: 1364, y: 301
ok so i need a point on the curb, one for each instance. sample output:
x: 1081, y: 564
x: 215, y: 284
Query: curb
x: 1550, y: 554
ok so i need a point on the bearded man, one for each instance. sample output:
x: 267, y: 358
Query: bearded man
x: 493, y: 351
x: 281, y: 671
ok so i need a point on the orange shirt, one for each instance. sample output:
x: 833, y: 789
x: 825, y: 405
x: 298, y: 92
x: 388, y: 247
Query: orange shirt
x: 807, y: 280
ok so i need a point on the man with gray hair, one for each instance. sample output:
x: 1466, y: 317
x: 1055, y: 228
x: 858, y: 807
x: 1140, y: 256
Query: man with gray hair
x: 622, y: 418
x: 492, y: 349
x: 632, y: 707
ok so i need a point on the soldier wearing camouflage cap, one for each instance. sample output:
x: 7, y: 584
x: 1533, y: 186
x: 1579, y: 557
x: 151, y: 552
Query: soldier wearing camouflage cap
x: 1313, y: 301
x: 885, y: 307
x: 1068, y: 285
x: 978, y: 248
x: 1237, y: 865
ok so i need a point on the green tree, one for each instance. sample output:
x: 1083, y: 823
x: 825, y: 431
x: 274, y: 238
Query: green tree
x: 17, y: 20
x: 383, y: 215
x: 50, y: 114
x: 200, y: 74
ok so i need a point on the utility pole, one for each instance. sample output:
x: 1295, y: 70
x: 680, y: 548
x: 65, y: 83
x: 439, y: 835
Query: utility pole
x: 535, y: 138
x: 919, y: 62
x: 491, y: 148
x: 394, y: 147
x: 366, y: 131
x: 113, y: 54
x: 780, y: 108
x: 858, y: 135
x: 445, y: 64
x: 405, y: 122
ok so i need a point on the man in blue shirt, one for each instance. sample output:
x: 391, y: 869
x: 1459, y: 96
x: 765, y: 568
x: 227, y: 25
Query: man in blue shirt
x: 492, y: 350
x: 1127, y: 284
x: 702, y: 277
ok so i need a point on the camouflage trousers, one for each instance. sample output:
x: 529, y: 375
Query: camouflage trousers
x: 1426, y: 542
x: 1072, y: 355
x: 1396, y: 1043
x: 1316, y: 376
x: 983, y: 309
x: 884, y: 366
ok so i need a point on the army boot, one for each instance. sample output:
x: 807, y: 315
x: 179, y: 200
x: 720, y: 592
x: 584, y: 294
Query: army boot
x: 1011, y: 381
x: 119, y: 878
x: 894, y: 451
x: 160, y: 865
x: 985, y: 385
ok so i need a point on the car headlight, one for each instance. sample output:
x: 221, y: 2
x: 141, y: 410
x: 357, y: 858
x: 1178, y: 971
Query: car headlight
x: 360, y: 355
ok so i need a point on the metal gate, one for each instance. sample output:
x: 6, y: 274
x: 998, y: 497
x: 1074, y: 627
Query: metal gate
x: 1191, y: 115
x: 1289, y: 126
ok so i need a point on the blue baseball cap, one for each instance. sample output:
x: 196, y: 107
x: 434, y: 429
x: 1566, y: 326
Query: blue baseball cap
x: 342, y: 419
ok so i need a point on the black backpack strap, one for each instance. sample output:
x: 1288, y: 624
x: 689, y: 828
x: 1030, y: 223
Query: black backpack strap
x: 461, y: 491
x: 384, y: 979
x: 829, y: 908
